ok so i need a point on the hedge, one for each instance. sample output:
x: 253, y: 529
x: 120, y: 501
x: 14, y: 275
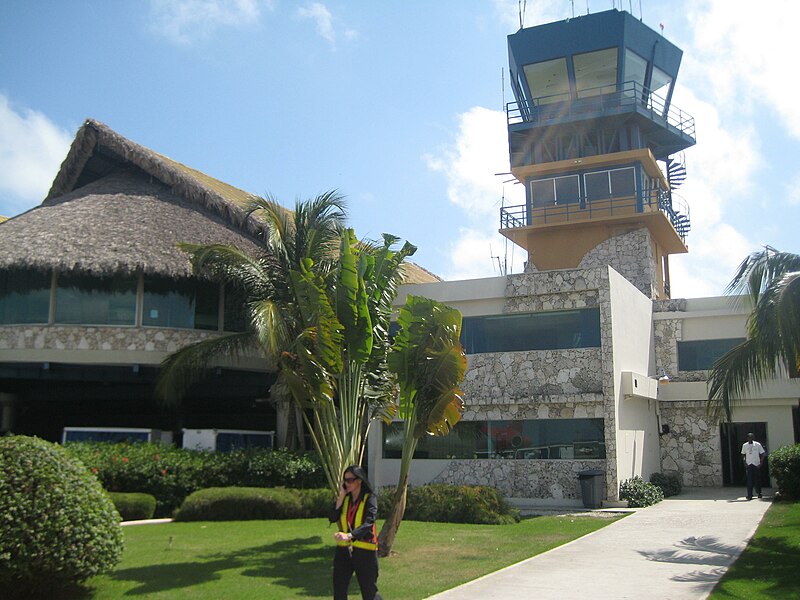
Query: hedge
x: 670, y: 483
x: 446, y: 503
x: 244, y: 504
x: 784, y: 466
x: 57, y: 525
x: 171, y: 474
x: 134, y: 506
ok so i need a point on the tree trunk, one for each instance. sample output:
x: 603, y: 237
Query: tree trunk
x: 392, y: 523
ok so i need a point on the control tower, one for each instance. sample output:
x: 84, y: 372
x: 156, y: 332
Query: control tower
x: 594, y: 138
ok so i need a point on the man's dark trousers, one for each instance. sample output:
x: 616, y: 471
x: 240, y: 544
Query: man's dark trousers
x: 753, y: 479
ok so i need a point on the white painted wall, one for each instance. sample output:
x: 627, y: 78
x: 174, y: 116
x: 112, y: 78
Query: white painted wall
x: 633, y: 350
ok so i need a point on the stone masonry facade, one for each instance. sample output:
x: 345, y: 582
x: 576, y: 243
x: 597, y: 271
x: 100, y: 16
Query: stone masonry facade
x: 130, y: 339
x: 692, y: 447
x: 543, y: 384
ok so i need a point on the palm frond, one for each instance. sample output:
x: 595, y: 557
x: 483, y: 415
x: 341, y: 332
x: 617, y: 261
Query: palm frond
x: 182, y: 369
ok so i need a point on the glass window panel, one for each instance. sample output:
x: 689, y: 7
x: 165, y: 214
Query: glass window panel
x: 567, y: 191
x: 549, y: 330
x: 183, y: 304
x: 595, y: 72
x: 24, y: 297
x: 635, y: 70
x: 659, y: 83
x: 548, y: 81
x: 95, y: 300
x: 700, y: 355
x: 549, y: 439
x: 236, y: 318
x: 543, y: 193
x: 597, y: 186
x: 623, y: 182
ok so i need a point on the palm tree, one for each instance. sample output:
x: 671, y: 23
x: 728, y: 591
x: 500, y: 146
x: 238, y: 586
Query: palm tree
x: 312, y: 231
x: 319, y: 302
x: 770, y: 281
x: 429, y: 363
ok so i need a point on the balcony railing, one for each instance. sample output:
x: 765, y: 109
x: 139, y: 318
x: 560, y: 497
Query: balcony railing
x: 609, y: 98
x: 585, y: 209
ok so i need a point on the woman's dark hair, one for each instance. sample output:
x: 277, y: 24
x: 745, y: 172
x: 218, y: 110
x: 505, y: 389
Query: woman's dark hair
x: 360, y: 473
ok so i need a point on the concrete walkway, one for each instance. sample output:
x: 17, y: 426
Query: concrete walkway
x: 675, y: 550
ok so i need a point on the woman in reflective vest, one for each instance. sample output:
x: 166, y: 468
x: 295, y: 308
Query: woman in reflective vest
x: 356, y: 541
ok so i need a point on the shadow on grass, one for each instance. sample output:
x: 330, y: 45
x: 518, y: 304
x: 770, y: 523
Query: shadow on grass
x: 302, y: 564
x: 771, y: 560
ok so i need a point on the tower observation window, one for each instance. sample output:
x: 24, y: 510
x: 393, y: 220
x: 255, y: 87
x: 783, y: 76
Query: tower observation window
x: 595, y: 72
x: 548, y: 81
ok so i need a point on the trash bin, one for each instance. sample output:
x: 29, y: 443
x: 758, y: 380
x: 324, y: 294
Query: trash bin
x: 592, y: 487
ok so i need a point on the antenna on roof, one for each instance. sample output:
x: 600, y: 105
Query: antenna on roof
x: 521, y: 6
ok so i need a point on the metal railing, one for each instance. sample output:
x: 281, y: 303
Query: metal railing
x: 628, y: 95
x: 586, y: 209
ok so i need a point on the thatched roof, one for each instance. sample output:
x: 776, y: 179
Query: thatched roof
x: 413, y: 273
x: 122, y: 223
x: 118, y: 207
x: 98, y: 150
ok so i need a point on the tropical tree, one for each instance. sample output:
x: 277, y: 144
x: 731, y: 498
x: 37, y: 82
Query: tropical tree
x: 429, y: 362
x: 319, y: 314
x: 770, y: 281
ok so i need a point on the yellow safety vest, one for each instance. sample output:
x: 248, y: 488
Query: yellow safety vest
x: 365, y: 544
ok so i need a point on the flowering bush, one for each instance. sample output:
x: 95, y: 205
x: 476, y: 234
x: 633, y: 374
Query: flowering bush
x: 170, y: 474
x: 57, y: 525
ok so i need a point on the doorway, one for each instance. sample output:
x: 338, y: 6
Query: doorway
x: 732, y: 436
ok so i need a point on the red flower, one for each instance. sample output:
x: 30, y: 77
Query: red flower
x: 163, y: 471
x: 124, y: 459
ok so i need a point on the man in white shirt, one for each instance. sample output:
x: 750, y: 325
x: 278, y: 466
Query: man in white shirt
x: 753, y: 455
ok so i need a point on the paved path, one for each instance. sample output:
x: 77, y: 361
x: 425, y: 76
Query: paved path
x: 675, y: 550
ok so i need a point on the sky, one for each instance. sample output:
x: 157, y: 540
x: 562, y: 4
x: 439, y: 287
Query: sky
x: 398, y: 105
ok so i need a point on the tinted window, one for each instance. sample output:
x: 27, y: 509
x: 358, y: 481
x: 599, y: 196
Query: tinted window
x: 95, y: 300
x: 548, y: 81
x: 551, y: 330
x: 24, y: 297
x: 190, y: 304
x: 548, y: 439
x: 700, y: 355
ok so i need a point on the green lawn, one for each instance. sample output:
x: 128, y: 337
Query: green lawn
x: 292, y: 559
x: 768, y: 568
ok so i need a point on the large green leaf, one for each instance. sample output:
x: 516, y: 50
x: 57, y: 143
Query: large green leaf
x: 351, y: 300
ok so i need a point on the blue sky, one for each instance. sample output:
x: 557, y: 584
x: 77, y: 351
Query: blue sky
x: 397, y: 105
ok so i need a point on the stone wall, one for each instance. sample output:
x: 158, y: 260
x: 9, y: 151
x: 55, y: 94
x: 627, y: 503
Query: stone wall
x: 557, y: 479
x: 511, y: 377
x: 121, y: 339
x: 692, y: 447
x: 631, y: 255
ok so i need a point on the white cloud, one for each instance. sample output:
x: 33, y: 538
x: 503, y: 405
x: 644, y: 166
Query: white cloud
x: 471, y: 165
x: 185, y: 21
x: 324, y: 20
x: 31, y: 150
x: 478, y: 253
x: 745, y: 57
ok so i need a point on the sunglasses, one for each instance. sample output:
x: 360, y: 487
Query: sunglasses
x: 350, y: 479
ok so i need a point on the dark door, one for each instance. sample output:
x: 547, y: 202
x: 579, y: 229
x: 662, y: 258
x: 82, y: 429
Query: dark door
x: 732, y: 436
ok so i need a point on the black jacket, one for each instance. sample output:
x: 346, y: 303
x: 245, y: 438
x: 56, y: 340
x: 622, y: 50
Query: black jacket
x: 364, y: 532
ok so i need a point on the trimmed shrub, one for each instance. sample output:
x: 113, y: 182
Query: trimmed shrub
x: 670, y: 483
x: 784, y: 466
x: 446, y: 503
x: 57, y: 525
x: 241, y: 504
x: 133, y: 506
x: 640, y: 493
x: 171, y: 474
x: 316, y: 503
